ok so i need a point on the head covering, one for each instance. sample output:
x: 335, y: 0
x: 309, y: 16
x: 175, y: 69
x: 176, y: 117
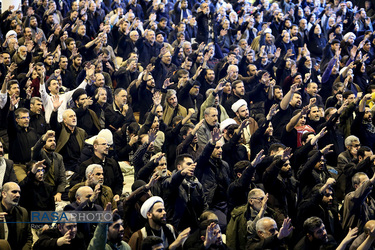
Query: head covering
x: 238, y: 104
x: 106, y: 134
x: 10, y: 33
x: 137, y: 184
x: 78, y: 93
x: 148, y: 204
x: 224, y: 124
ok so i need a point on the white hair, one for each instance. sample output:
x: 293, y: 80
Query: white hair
x: 90, y: 169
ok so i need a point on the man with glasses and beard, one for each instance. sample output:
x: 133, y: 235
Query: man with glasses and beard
x: 153, y: 210
x: 18, y: 235
x: 54, y: 174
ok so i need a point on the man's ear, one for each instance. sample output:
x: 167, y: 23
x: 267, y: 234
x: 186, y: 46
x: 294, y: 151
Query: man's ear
x: 149, y: 215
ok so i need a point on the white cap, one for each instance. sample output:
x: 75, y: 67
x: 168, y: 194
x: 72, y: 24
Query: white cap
x: 106, y: 134
x: 238, y: 104
x: 227, y: 122
x: 10, y: 33
x: 148, y: 204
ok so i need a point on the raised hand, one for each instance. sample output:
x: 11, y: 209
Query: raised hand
x: 151, y: 135
x: 64, y: 240
x: 258, y: 158
x: 273, y: 111
x: 156, y: 98
x: 56, y: 102
x: 286, y: 154
x: 285, y: 229
x: 215, y: 135
x: 326, y: 149
x: 37, y: 165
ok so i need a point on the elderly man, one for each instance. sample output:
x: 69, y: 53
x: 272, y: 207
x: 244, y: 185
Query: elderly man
x: 119, y: 113
x: 244, y: 218
x: 18, y: 235
x: 64, y: 236
x: 112, y: 172
x: 100, y: 82
x: 153, y: 210
x: 70, y: 138
x: 268, y: 237
x: 95, y: 180
x: 210, y: 122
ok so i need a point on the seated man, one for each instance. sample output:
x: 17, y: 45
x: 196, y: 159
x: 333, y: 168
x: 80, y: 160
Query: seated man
x: 268, y: 237
x: 95, y: 180
x: 18, y: 234
x: 64, y: 236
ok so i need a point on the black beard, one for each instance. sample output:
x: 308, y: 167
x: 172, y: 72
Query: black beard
x: 287, y: 174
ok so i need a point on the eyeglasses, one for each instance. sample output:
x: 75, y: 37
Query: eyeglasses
x: 328, y: 195
x: 356, y: 145
x: 258, y: 198
x: 41, y: 170
x: 24, y: 117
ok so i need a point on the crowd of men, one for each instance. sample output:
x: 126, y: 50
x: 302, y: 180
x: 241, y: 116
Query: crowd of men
x: 245, y: 118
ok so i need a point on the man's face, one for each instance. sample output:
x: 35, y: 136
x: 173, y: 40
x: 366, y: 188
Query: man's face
x: 23, y: 120
x: 70, y: 118
x: 99, y: 80
x: 50, y: 144
x: 33, y: 23
x: 218, y: 150
x: 12, y: 196
x: 294, y: 30
x: 82, y: 30
x: 270, y: 229
x: 210, y: 76
x: 353, y: 148
x: 14, y: 90
x: 312, y: 90
x: 233, y: 73
x: 351, y: 98
x: 102, y: 96
x: 301, y: 121
x: 319, y: 166
x: 278, y: 94
x: 327, y: 197
x: 97, y: 176
x: 28, y: 33
x: 116, y: 231
x: 102, y: 147
x: 303, y: 24
x: 54, y: 87
x: 268, y: 38
x: 71, y: 45
x: 81, y: 100
x: 64, y: 63
x: 239, y: 90
x: 161, y: 169
x: 212, y: 117
x: 151, y: 36
x: 227, y: 88
x: 188, y: 64
x: 367, y: 117
x: 187, y: 163
x: 194, y: 91
x: 256, y: 201
x: 163, y: 24
x: 167, y: 58
x: 155, y: 124
x: 65, y: 227
x: 252, y: 70
x: 159, y: 111
x: 6, y: 58
x: 77, y: 61
x: 121, y: 98
x: 39, y: 175
x: 172, y: 101
x: 160, y: 38
x: 158, y: 214
x: 48, y: 60
x: 296, y: 100
x: 335, y: 47
x: 314, y: 114
x: 23, y: 52
x: 320, y: 234
x: 243, y: 112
